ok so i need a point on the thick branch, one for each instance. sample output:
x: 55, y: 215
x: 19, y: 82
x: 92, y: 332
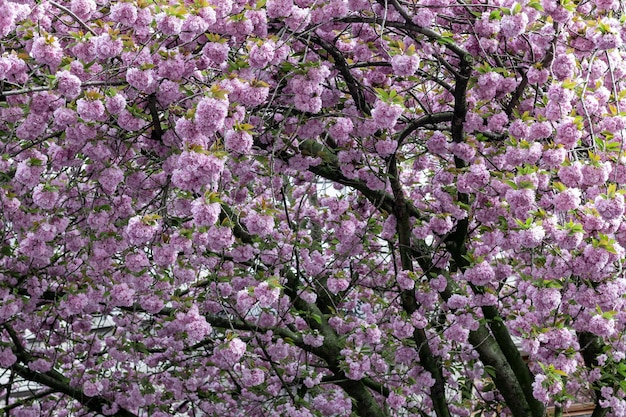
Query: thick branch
x: 409, y: 303
x: 340, y: 62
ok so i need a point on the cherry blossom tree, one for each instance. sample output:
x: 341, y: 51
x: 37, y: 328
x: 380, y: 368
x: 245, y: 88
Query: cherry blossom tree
x: 312, y: 207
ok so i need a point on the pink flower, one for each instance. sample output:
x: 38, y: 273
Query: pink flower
x: 571, y: 175
x: 47, y: 50
x: 68, y: 84
x: 261, y: 55
x: 106, y: 47
x: 437, y: 144
x: 45, y: 197
x: 464, y: 151
x: 564, y: 66
x: 336, y: 285
x: 606, y: 5
x: 480, y: 274
x: 195, y: 325
x: 497, y: 122
x: 110, y: 178
x: 238, y: 141
x: 259, y: 224
x: 395, y: 401
x: 252, y: 377
x: 122, y: 295
x: 602, y: 326
x: 210, y: 115
x: 314, y: 340
x: 539, y: 130
x: 386, y: 114
x: 340, y: 131
x: 90, y: 110
x: 196, y: 170
x: 279, y: 8
x: 610, y: 208
x: 488, y: 84
x: 567, y: 200
x: 405, y: 281
x: 7, y: 358
x: 169, y: 25
x: 216, y: 52
x: 405, y: 65
x: 567, y: 134
x: 135, y: 262
x: 115, y: 104
x: 233, y: 351
x: 205, y: 214
x: 141, y: 80
x: 91, y: 389
x: 140, y: 230
x: 513, y: 25
x: 124, y: 13
x: 266, y: 295
x: 386, y: 147
x: 244, y: 301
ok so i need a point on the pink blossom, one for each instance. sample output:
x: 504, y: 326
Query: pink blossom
x: 169, y: 25
x: 488, y: 85
x: 194, y: 324
x: 266, y: 295
x: 141, y: 80
x: 261, y: 55
x: 385, y: 114
x: 606, y: 4
x: 480, y: 274
x: 205, y: 214
x: 216, y: 52
x: 252, y: 377
x: 279, y: 8
x: 513, y: 25
x: 386, y: 147
x: 244, y: 301
x: 337, y: 285
x: 405, y: 65
x: 610, y: 208
x: 7, y: 358
x: 47, y: 50
x: 233, y: 351
x: 564, y: 66
x: 122, y: 295
x: 91, y: 389
x: 68, y: 84
x: 567, y: 134
x: 45, y: 197
x: 340, y: 131
x: 124, y: 13
x: 210, y: 115
x: 106, y: 47
x: 539, y: 130
x: 497, y: 122
x: 90, y: 110
x: 405, y: 281
x: 140, y: 230
x: 437, y: 143
x: 259, y: 224
x: 464, y: 151
x: 238, y: 141
x: 567, y: 200
x: 314, y: 340
x: 110, y: 178
x: 441, y: 225
x: 602, y: 326
x: 595, y: 174
x: 395, y: 401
